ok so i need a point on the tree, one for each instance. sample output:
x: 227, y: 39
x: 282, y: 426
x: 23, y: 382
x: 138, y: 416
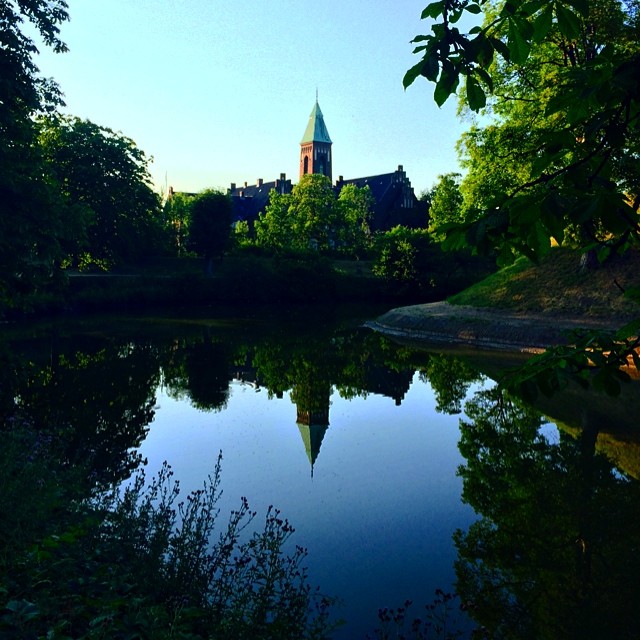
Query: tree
x: 445, y: 203
x: 30, y: 216
x: 310, y: 218
x: 210, y: 228
x: 176, y: 219
x: 274, y: 227
x: 303, y: 220
x: 402, y: 256
x: 107, y: 174
x: 549, y: 556
x: 356, y: 205
x: 562, y: 80
x: 561, y: 57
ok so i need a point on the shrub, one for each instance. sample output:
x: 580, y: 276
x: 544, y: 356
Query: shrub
x: 137, y: 563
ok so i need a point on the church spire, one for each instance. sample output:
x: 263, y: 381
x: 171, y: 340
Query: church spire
x: 316, y: 130
x: 315, y: 147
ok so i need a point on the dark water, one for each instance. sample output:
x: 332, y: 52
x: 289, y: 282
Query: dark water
x: 402, y: 471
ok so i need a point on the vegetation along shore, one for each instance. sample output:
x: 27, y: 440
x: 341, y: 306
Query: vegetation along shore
x: 534, y: 246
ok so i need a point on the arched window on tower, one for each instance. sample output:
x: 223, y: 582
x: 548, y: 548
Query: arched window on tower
x: 306, y: 165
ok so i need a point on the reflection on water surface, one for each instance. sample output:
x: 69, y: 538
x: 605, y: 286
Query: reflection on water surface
x: 402, y: 471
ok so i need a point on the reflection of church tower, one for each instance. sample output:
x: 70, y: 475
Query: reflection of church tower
x: 312, y: 403
x: 315, y: 148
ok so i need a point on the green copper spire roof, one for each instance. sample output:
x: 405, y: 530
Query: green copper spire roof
x: 316, y: 130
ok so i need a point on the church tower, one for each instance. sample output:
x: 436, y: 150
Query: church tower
x: 315, y: 148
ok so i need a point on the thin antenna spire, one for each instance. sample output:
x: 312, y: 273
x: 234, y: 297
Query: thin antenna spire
x: 316, y: 94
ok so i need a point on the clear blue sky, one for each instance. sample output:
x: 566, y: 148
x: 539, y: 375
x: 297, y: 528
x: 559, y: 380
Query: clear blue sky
x: 220, y: 92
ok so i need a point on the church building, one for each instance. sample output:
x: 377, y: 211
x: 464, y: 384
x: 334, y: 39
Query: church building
x: 395, y: 200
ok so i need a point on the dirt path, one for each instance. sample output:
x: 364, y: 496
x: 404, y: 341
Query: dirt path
x: 440, y: 322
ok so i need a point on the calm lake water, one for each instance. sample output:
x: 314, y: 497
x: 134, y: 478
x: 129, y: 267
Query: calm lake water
x: 377, y: 454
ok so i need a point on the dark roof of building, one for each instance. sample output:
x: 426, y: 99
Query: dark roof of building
x: 251, y: 199
x: 316, y: 130
x: 382, y: 186
x: 388, y: 191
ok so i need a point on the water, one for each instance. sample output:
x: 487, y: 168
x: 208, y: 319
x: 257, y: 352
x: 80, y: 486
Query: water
x: 377, y: 508
x: 380, y: 456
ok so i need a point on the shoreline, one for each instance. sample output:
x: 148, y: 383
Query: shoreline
x: 483, y: 328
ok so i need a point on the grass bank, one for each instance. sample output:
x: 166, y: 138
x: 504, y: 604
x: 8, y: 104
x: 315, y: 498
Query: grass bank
x: 558, y: 285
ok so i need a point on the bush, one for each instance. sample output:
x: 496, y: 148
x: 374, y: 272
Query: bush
x: 137, y: 563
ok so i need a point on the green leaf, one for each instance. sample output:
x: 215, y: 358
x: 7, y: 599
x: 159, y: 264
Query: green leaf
x: 473, y: 8
x: 568, y: 22
x: 519, y: 47
x: 629, y: 330
x: 433, y: 10
x: 581, y: 6
x: 486, y: 78
x: 476, y: 98
x: 447, y: 84
x: 431, y: 68
x: 412, y: 74
x: 501, y: 47
x: 479, y: 50
x: 529, y: 8
x: 605, y: 381
x: 542, y: 23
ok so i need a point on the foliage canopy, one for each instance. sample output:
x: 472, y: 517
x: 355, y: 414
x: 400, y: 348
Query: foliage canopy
x: 210, y: 226
x: 556, y: 153
x: 106, y: 175
x: 311, y: 218
x: 576, y: 63
x: 31, y: 221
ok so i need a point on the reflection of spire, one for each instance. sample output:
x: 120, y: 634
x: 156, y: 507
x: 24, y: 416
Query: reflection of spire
x: 312, y: 435
x: 312, y: 397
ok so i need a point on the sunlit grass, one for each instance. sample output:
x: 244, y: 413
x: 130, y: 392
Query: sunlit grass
x: 558, y: 285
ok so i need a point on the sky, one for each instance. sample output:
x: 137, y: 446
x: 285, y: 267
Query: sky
x: 219, y: 92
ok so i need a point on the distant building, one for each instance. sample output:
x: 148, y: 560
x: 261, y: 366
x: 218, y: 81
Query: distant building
x: 395, y: 200
x: 250, y: 200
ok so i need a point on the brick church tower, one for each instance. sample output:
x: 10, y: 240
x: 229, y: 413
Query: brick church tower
x: 315, y: 148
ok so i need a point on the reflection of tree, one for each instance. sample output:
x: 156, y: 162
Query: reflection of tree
x: 555, y: 552
x: 450, y: 379
x: 101, y: 391
x: 207, y: 367
x: 98, y: 401
x: 199, y: 369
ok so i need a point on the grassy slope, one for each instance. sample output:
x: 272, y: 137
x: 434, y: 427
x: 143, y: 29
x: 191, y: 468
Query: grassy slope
x: 558, y: 286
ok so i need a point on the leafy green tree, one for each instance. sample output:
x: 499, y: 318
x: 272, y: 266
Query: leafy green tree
x: 558, y: 82
x: 445, y: 203
x: 402, y: 256
x: 576, y: 63
x: 310, y: 218
x: 107, y: 174
x: 303, y: 220
x: 356, y: 205
x: 176, y: 219
x: 242, y: 235
x: 314, y: 214
x: 274, y: 226
x: 210, y: 228
x: 30, y: 214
